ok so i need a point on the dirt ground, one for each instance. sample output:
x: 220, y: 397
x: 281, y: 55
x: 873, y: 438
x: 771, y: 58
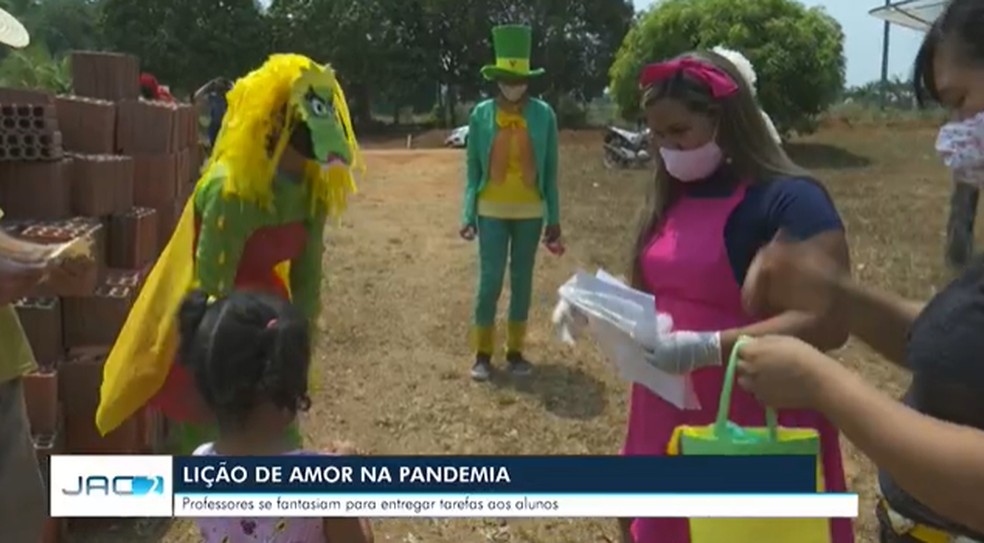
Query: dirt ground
x: 393, y: 351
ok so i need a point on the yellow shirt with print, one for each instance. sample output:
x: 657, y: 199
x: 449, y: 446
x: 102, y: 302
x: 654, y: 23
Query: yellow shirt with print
x: 514, y: 197
x: 16, y: 357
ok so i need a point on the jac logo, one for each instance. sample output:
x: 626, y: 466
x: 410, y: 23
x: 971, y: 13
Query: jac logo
x: 119, y: 485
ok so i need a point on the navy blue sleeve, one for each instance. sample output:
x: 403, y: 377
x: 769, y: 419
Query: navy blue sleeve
x: 800, y: 207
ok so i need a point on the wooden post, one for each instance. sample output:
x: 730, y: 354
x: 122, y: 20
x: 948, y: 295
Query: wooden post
x: 886, y: 32
x: 960, y: 226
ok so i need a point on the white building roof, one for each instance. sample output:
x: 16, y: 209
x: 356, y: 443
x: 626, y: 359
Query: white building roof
x: 915, y: 14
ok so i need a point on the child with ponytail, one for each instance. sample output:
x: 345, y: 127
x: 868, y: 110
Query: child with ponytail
x: 249, y: 354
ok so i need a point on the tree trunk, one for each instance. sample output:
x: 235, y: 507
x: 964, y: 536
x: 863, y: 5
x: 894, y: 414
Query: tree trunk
x: 452, y: 103
x: 361, y: 105
x: 960, y: 226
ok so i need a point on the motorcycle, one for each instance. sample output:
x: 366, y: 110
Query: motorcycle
x: 626, y: 149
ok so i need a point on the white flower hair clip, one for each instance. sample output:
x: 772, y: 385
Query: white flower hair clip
x: 742, y: 63
x: 747, y: 71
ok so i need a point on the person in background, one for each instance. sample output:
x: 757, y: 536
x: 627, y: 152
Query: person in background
x: 249, y: 354
x: 930, y: 447
x: 150, y: 89
x: 214, y: 95
x: 723, y: 188
x: 510, y: 193
x: 23, y: 503
x: 22, y: 512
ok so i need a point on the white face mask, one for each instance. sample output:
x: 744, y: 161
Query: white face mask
x: 512, y: 92
x: 961, y: 146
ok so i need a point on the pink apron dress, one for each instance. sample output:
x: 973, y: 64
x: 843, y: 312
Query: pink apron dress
x: 686, y: 268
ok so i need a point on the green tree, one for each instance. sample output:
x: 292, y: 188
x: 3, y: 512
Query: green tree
x: 460, y: 44
x: 63, y: 25
x: 575, y: 41
x: 186, y: 42
x: 797, y: 52
x: 342, y: 33
x: 381, y: 49
x: 58, y: 25
x: 35, y: 68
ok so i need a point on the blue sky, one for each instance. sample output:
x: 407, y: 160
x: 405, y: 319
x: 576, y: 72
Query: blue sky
x: 863, y: 39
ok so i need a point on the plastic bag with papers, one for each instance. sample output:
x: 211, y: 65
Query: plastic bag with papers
x: 624, y: 322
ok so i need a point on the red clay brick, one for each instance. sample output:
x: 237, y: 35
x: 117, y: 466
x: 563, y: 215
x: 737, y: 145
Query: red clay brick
x: 88, y: 125
x: 41, y: 319
x: 21, y: 183
x: 133, y: 239
x: 107, y: 76
x: 102, y: 184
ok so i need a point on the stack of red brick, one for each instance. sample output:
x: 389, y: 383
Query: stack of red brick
x: 104, y: 164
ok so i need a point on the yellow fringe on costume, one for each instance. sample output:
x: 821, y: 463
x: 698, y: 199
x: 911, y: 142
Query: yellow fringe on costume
x: 141, y: 359
x: 253, y: 104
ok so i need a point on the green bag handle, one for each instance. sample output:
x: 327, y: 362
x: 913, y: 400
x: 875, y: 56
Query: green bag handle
x: 721, y: 424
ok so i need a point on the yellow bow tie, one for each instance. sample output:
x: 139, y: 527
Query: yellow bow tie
x: 510, y: 120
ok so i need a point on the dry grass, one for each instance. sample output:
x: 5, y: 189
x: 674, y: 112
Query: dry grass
x: 399, y: 296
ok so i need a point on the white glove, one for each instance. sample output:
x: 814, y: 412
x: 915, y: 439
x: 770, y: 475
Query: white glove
x: 679, y: 353
x: 568, y: 321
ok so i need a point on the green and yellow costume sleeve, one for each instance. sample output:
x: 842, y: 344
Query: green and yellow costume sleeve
x: 236, y: 195
x: 226, y: 223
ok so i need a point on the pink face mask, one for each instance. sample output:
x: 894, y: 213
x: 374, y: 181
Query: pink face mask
x: 692, y: 164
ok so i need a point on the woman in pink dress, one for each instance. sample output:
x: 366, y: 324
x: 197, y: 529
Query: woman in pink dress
x: 723, y: 188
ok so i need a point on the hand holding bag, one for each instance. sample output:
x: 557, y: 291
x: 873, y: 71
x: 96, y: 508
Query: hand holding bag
x: 725, y: 438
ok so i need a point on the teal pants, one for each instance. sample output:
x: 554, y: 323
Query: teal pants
x: 501, y: 242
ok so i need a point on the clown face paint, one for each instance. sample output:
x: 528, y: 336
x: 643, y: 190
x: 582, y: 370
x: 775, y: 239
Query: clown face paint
x: 320, y: 134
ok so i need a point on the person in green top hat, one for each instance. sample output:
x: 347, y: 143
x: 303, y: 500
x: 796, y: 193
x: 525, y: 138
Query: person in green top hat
x: 510, y: 200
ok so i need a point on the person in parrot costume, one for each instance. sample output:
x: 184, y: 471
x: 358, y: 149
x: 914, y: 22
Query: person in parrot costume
x: 511, y: 200
x: 283, y: 163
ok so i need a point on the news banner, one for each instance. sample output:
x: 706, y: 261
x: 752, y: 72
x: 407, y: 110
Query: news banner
x: 442, y: 486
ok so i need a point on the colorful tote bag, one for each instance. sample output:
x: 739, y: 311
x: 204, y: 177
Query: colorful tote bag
x: 725, y: 438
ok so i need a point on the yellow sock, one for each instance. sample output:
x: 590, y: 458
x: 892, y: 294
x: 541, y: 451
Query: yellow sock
x: 515, y: 337
x: 483, y: 339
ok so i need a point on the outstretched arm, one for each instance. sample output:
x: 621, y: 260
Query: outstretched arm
x: 801, y: 208
x: 206, y: 88
x: 880, y: 319
x: 938, y: 463
x: 226, y: 224
x: 825, y: 331
x: 306, y: 272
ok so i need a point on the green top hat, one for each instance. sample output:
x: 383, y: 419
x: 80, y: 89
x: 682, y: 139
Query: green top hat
x: 512, y: 53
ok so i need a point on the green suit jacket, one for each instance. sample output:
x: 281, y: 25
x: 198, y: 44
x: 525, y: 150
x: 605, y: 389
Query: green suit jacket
x: 542, y: 126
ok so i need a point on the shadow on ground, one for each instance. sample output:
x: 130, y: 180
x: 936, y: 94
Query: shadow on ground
x: 565, y: 391
x: 813, y: 155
